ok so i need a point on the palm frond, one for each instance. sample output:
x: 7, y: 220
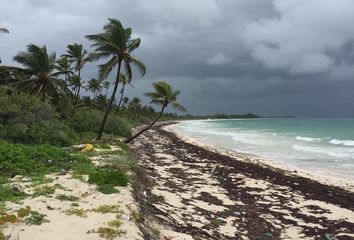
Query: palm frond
x: 138, y: 64
x: 178, y: 106
x: 105, y: 69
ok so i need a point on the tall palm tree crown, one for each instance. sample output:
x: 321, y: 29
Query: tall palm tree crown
x: 76, y: 84
x: 40, y: 66
x: 77, y: 56
x: 63, y: 66
x: 116, y: 44
x: 94, y: 86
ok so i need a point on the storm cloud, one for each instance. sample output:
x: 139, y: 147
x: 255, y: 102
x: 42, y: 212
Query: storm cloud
x: 271, y: 57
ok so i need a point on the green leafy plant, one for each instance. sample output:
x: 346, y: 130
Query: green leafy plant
x: 76, y: 211
x: 64, y: 197
x: 35, y: 218
x: 7, y: 218
x: 16, y: 159
x: 13, y: 194
x: 217, y: 222
x: 23, y: 212
x: 107, y: 189
x: 107, y: 232
x: 114, y: 223
x: 46, y: 190
x: 107, y: 209
x: 104, y: 176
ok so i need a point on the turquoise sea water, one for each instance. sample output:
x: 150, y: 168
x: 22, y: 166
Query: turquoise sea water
x: 316, y: 145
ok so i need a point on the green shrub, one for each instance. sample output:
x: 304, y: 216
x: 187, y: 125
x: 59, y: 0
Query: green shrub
x: 106, y: 176
x: 85, y: 120
x: 87, y: 136
x: 64, y: 197
x: 118, y: 126
x: 10, y: 194
x: 25, y: 119
x: 107, y: 179
x: 107, y: 189
x: 36, y: 218
x: 16, y: 159
x: 89, y: 120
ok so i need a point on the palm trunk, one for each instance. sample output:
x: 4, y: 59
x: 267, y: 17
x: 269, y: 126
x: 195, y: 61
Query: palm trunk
x: 121, y: 98
x: 77, y: 95
x: 128, y: 140
x: 78, y: 91
x: 104, y: 120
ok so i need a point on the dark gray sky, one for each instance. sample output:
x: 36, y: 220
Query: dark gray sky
x: 271, y: 57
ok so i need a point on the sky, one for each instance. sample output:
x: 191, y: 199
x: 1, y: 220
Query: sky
x: 269, y: 57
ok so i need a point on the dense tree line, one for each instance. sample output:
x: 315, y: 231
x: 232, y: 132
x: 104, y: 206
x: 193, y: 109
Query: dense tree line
x: 45, y: 81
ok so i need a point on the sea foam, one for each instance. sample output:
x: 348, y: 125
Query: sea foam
x: 307, y: 139
x: 342, y: 142
x: 330, y: 152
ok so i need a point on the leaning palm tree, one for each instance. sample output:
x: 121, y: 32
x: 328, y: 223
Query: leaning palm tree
x: 94, y: 86
x: 163, y: 96
x: 40, y: 66
x: 78, y: 56
x: 117, y: 44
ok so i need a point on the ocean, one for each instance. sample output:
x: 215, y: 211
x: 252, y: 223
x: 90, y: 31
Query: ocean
x: 321, y: 146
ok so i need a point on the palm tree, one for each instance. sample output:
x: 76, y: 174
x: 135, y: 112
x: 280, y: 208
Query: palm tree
x: 117, y: 44
x: 63, y: 66
x: 163, y: 95
x: 40, y: 66
x: 76, y: 84
x: 78, y: 56
x: 94, y: 86
x: 106, y: 85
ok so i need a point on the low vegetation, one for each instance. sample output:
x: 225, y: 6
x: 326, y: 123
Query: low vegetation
x: 64, y: 197
x: 107, y: 209
x: 107, y: 232
x: 76, y: 211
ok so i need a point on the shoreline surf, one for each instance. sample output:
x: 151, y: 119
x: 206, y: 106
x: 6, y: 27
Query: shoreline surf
x: 319, y: 176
